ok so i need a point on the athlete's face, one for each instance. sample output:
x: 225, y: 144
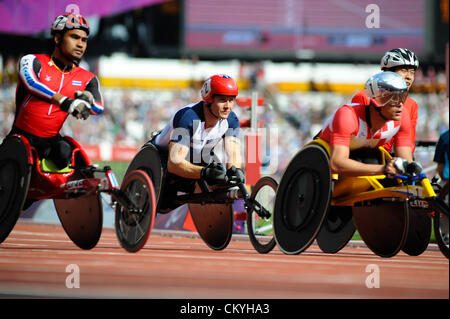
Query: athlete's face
x: 222, y: 105
x: 73, y: 44
x: 407, y: 73
x: 392, y: 111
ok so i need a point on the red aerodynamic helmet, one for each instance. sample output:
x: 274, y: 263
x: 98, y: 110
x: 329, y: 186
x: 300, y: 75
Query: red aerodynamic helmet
x: 218, y: 84
x: 69, y: 21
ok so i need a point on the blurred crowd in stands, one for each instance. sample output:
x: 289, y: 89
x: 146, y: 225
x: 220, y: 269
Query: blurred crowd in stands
x: 131, y: 115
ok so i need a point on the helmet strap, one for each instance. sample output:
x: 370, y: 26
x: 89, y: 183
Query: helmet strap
x: 378, y: 109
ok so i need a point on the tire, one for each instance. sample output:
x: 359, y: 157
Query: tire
x: 260, y: 230
x: 302, y: 200
x: 337, y: 229
x: 441, y: 227
x: 15, y: 174
x: 133, y: 228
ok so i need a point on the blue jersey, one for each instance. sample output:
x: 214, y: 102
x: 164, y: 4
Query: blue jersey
x: 441, y: 153
x: 187, y: 127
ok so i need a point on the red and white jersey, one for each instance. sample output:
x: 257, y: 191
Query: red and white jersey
x: 40, y: 78
x: 412, y: 107
x: 348, y: 126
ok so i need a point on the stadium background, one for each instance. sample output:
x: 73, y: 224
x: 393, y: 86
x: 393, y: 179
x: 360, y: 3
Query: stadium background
x: 306, y: 58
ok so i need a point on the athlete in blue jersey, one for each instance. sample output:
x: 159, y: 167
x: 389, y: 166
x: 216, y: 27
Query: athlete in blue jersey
x: 193, y: 134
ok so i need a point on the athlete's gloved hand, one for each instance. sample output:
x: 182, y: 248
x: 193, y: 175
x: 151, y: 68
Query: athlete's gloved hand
x: 405, y: 167
x: 85, y: 95
x: 214, y: 173
x: 236, y: 174
x: 401, y: 164
x: 77, y: 107
x: 414, y: 168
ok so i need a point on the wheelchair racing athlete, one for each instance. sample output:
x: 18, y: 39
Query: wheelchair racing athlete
x: 403, y: 62
x: 191, y: 136
x: 355, y: 131
x: 51, y: 87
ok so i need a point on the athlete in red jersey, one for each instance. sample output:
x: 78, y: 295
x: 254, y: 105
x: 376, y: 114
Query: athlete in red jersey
x: 365, y: 127
x: 52, y: 87
x: 403, y: 62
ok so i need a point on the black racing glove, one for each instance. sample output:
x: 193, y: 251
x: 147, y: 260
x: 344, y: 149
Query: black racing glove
x: 85, y: 95
x: 405, y: 167
x: 76, y: 106
x: 236, y: 174
x: 400, y: 164
x: 214, y: 173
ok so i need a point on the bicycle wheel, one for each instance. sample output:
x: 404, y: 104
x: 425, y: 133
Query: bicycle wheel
x: 260, y: 230
x: 440, y: 225
x: 133, y: 227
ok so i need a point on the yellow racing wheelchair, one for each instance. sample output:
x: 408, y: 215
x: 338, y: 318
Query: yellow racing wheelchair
x: 390, y: 214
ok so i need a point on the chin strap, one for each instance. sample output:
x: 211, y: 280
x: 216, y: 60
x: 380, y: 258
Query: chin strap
x: 381, y: 114
x: 378, y: 109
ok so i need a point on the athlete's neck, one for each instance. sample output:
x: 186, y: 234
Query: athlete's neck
x: 378, y: 120
x: 61, y: 61
x: 210, y: 118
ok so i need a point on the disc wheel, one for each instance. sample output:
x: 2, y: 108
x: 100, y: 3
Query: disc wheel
x: 260, y: 230
x: 9, y: 187
x: 383, y: 226
x: 337, y: 229
x: 419, y: 230
x: 15, y: 174
x: 440, y: 224
x: 302, y: 200
x: 134, y: 223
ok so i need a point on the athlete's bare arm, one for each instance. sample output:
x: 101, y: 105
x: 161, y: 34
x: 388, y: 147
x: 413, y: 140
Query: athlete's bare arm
x: 342, y: 164
x: 404, y: 152
x: 177, y: 163
x: 233, y: 151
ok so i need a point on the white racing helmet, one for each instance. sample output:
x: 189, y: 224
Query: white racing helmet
x: 399, y: 57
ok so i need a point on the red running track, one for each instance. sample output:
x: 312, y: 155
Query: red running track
x: 34, y: 259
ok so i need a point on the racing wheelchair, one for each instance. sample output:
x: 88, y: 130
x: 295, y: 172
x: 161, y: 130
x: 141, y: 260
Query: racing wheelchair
x: 211, y: 208
x: 390, y: 214
x: 24, y: 178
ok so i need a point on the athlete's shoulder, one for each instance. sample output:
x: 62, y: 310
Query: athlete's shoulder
x: 233, y: 120
x: 361, y: 97
x: 187, y: 115
x: 410, y: 102
x: 349, y: 113
x: 29, y: 59
x: 85, y: 73
x: 354, y: 108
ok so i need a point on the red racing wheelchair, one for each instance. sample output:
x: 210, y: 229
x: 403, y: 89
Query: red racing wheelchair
x: 75, y: 190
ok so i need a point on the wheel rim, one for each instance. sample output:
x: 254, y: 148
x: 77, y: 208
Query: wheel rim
x: 133, y: 226
x: 263, y: 227
x: 443, y: 229
x: 302, y: 191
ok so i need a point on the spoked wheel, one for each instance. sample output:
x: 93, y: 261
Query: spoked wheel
x: 134, y: 223
x: 302, y: 200
x: 440, y: 224
x: 15, y: 173
x: 260, y: 230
